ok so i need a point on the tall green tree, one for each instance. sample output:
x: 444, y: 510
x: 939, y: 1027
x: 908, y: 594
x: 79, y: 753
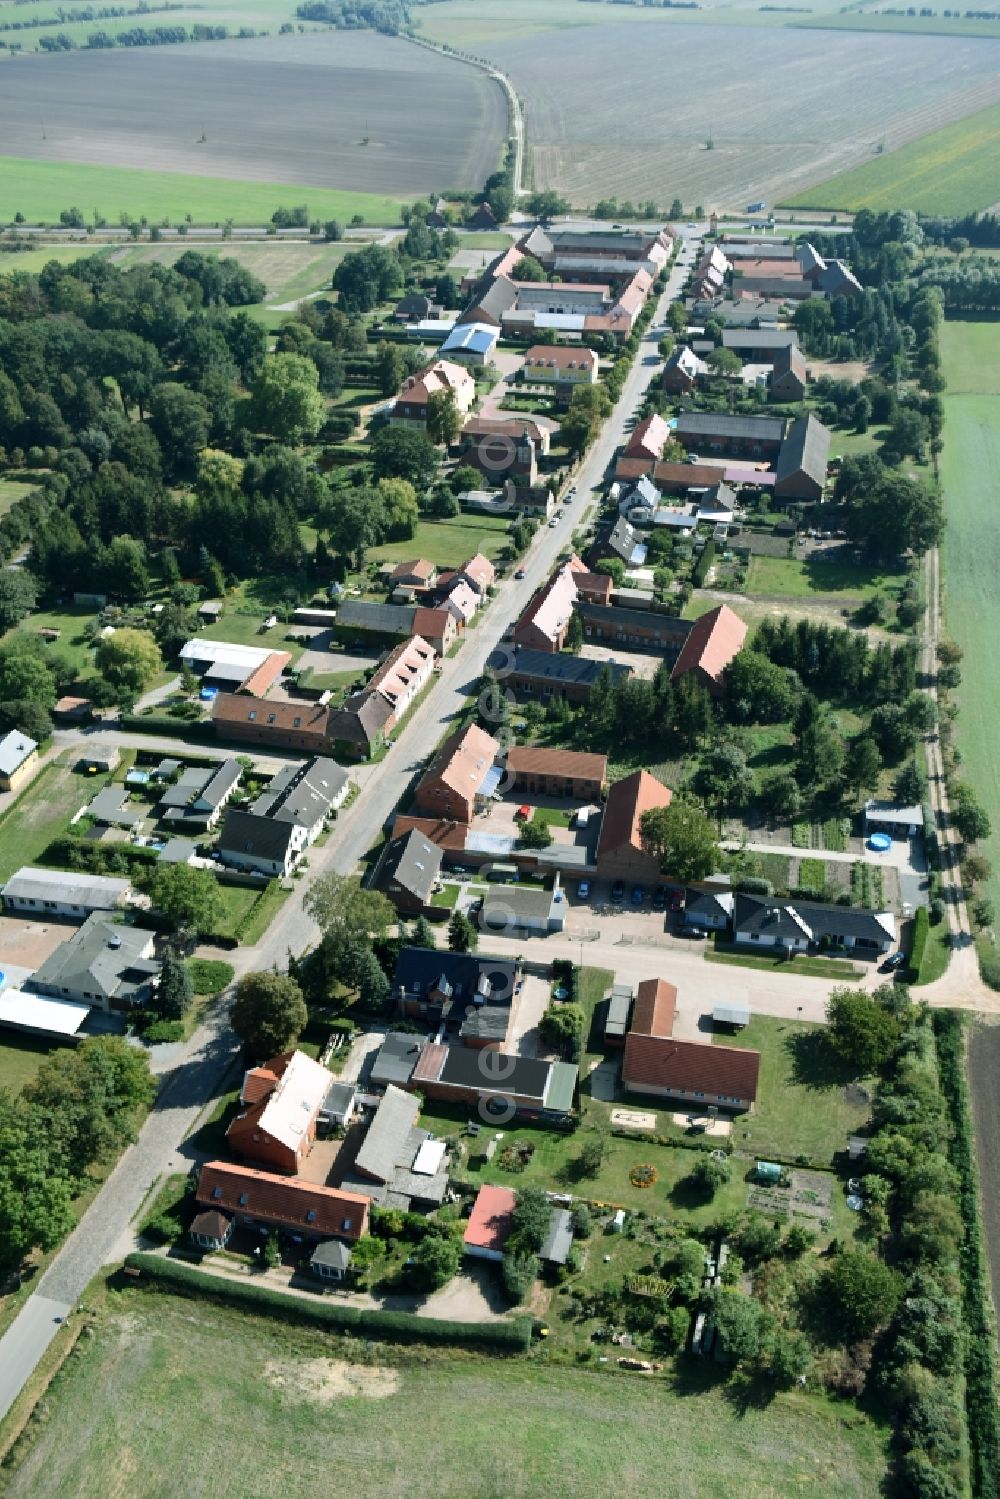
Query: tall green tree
x: 189, y: 897
x: 343, y: 909
x: 129, y: 659
x: 285, y: 398
x: 683, y: 838
x: 175, y: 991
x: 268, y: 1013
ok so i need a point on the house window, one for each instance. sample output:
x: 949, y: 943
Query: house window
x: 244, y: 1197
x: 311, y: 1216
x: 271, y: 717
x: 346, y: 1226
x: 252, y: 714
x: 216, y: 1194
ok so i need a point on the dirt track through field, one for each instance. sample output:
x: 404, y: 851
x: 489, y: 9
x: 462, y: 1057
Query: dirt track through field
x: 352, y: 111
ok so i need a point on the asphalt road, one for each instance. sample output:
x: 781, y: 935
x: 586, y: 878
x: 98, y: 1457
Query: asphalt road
x: 104, y: 1228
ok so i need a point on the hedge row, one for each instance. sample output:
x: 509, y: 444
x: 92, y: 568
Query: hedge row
x: 160, y: 723
x: 69, y: 852
x: 921, y: 932
x: 496, y: 1337
x: 703, y: 564
x: 980, y: 1368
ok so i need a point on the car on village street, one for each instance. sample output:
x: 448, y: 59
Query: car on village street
x: 519, y: 573
x: 583, y: 889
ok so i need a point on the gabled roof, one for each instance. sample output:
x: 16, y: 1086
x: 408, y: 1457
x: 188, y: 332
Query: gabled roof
x: 14, y: 750
x: 805, y: 450
x: 431, y: 623
x: 100, y: 892
x: 479, y: 570
x: 690, y: 1067
x: 624, y: 542
x: 686, y: 360
x: 562, y: 356
x: 231, y: 709
x: 101, y: 958
x: 288, y: 1111
x: 648, y: 437
x: 627, y: 801
x: 550, y: 609
x: 740, y: 339
x: 396, y: 1058
x: 655, y: 1008
x: 417, y: 567
x: 360, y: 717
x: 526, y: 759
x: 717, y: 424
x: 463, y: 761
x: 413, y: 862
x: 294, y: 1203
x: 396, y: 673
x: 421, y: 970
x: 466, y: 337
x: 491, y: 1218
x: 491, y: 300
x: 795, y: 919
x: 246, y: 832
x: 544, y: 666
x: 382, y: 1147
x: 715, y: 638
x: 302, y: 794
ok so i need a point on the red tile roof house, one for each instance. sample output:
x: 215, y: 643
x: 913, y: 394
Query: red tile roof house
x: 689, y: 1072
x: 648, y: 438
x: 437, y: 627
x: 490, y: 1222
x: 402, y: 675
x: 281, y: 1102
x: 410, y: 409
x: 620, y: 854
x: 452, y: 786
x: 560, y: 364
x: 294, y: 726
x: 258, y: 1197
x: 715, y: 638
x: 416, y: 576
x: 479, y: 573
x: 544, y: 623
x: 556, y: 772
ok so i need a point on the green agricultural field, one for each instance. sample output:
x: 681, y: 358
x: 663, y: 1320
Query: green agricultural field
x: 449, y: 543
x: 42, y: 189
x: 970, y: 476
x: 787, y: 577
x: 41, y: 813
x: 167, y: 1390
x: 908, y: 25
x: 951, y: 171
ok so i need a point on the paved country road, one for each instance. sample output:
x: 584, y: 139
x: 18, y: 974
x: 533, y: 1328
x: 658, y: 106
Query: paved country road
x: 212, y: 1050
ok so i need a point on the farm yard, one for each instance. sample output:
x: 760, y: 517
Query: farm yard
x: 385, y: 118
x: 970, y: 475
x: 951, y: 171
x: 867, y: 90
x: 134, y: 1397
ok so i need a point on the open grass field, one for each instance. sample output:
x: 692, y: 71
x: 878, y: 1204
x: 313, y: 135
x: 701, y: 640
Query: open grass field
x: 11, y: 489
x: 449, y: 543
x: 970, y: 476
x: 866, y: 88
x: 41, y: 813
x: 787, y: 577
x: 288, y: 268
x: 168, y: 1392
x: 903, y: 25
x: 384, y: 117
x: 69, y: 621
x: 950, y: 171
x: 20, y: 1059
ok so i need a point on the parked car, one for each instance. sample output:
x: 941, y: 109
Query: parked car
x: 893, y: 961
x: 696, y: 932
x: 583, y: 889
x: 660, y: 898
x: 676, y: 900
x: 553, y: 522
x: 638, y: 895
x: 617, y: 891
x: 519, y: 573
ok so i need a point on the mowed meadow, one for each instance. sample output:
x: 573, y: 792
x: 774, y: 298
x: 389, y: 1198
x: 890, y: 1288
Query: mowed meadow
x: 797, y: 108
x: 171, y: 1397
x: 348, y: 111
x: 970, y: 475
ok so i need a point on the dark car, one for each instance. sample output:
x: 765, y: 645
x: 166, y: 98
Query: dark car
x: 893, y: 961
x: 676, y: 900
x: 660, y: 898
x: 638, y: 895
x: 693, y: 931
x: 617, y: 891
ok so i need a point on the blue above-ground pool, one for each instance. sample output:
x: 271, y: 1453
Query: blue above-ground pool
x: 880, y: 842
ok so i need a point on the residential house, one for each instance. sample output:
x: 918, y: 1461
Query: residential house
x: 535, y: 1089
x: 494, y: 296
x: 399, y: 1164
x: 103, y: 964
x: 472, y: 343
x: 18, y: 760
x: 490, y: 1223
x: 536, y: 500
x: 685, y: 1071
x: 270, y: 836
x: 414, y: 308
x: 623, y: 543
x: 788, y: 378
x: 555, y: 772
x: 195, y: 801
x: 620, y: 853
x: 648, y: 438
x: 56, y: 892
x: 683, y: 370
x: 560, y: 364
x: 261, y: 1198
x: 714, y: 639
x: 403, y: 675
x: 110, y: 807
x: 461, y: 777
x: 773, y: 288
x: 634, y: 629
x: 437, y: 627
x: 409, y: 872
x: 437, y: 987
x: 415, y: 576
x: 280, y: 1105
x: 278, y: 725
x: 357, y: 730
x: 461, y: 601
x: 367, y: 617
x: 234, y: 668
x: 800, y: 473
x: 544, y: 675
x: 831, y: 277
x: 523, y: 908
x: 798, y: 926
x: 211, y: 1229
x: 545, y: 621
x: 440, y: 378
x: 640, y: 502
x: 758, y: 346
x: 757, y: 437
x: 483, y: 217
x: 711, y: 909
x: 330, y: 1260
x: 504, y: 448
x: 479, y: 573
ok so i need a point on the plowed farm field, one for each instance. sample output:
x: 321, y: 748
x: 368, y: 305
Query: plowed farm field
x: 721, y: 114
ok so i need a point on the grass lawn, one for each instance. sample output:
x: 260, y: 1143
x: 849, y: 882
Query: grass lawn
x: 970, y: 475
x: 41, y: 814
x: 551, y: 817
x: 801, y: 1107
x: 237, y: 902
x: 448, y: 543
x: 69, y: 621
x: 41, y: 190
x: 165, y: 1387
x: 936, y: 954
x: 786, y: 577
x: 13, y: 489
x: 950, y: 171
x: 820, y: 968
x: 20, y: 1059
x: 268, y: 903
x: 245, y: 629
x: 288, y: 268
x: 446, y: 898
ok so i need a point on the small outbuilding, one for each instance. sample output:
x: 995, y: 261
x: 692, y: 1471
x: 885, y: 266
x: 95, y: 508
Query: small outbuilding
x: 211, y: 1229
x: 330, y: 1260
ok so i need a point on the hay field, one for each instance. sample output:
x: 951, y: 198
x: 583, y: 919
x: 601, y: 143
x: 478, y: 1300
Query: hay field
x: 173, y: 1397
x: 970, y: 477
x: 951, y: 171
x: 353, y: 111
x: 796, y: 109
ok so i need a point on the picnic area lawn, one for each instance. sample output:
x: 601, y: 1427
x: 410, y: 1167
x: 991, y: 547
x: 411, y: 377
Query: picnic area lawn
x: 42, y: 812
x: 807, y: 1105
x: 171, y: 1389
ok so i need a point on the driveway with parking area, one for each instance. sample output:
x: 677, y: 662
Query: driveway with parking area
x: 529, y: 1007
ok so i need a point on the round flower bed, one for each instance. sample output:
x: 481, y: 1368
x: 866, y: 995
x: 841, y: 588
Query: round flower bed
x: 643, y: 1176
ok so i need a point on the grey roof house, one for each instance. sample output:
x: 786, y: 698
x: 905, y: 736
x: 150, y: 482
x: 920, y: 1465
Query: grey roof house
x: 395, y: 620
x: 796, y: 926
x: 399, y: 1164
x: 195, y: 801
x: 102, y: 964
x: 409, y: 871
x: 800, y: 472
x: 395, y: 1059
x: 56, y: 892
